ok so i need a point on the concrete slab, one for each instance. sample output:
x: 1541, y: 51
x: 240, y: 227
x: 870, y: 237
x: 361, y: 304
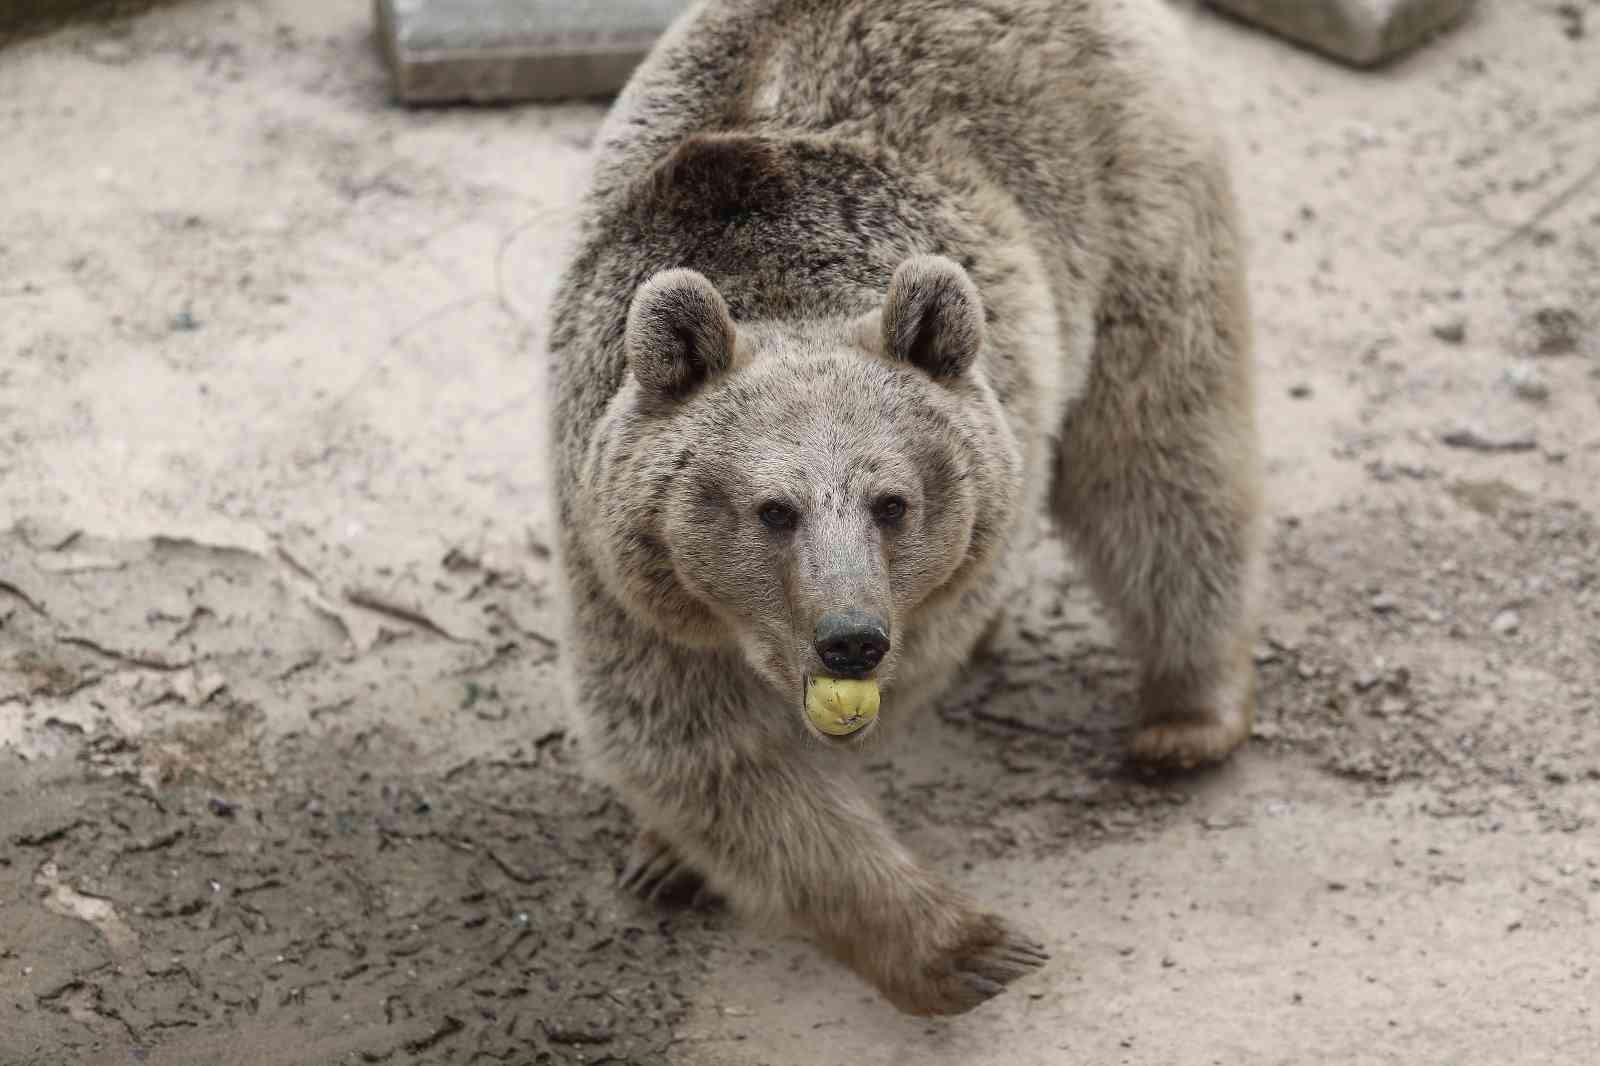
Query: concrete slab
x: 1364, y: 33
x: 487, y: 51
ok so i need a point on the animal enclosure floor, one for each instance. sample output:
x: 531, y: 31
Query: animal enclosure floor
x: 283, y: 775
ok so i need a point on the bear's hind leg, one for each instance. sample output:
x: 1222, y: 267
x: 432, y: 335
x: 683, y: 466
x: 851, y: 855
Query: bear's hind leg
x: 1159, y: 492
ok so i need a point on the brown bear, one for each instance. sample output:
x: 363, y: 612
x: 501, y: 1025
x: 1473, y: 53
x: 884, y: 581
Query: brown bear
x: 863, y: 286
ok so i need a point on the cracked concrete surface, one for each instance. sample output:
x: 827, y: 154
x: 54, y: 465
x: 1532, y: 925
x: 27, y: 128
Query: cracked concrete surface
x: 283, y: 774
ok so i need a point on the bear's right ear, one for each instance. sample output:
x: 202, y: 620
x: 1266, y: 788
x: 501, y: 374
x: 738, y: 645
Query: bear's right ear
x: 679, y: 333
x: 933, y: 317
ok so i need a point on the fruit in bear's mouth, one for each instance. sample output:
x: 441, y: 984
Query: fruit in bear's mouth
x: 839, y: 707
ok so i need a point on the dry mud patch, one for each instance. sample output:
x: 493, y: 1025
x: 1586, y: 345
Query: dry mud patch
x: 344, y: 916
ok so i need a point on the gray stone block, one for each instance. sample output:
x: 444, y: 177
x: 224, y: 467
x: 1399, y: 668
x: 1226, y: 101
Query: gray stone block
x: 483, y: 51
x: 1364, y: 33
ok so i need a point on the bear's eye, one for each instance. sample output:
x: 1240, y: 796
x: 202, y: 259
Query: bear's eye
x: 780, y: 516
x: 889, y: 510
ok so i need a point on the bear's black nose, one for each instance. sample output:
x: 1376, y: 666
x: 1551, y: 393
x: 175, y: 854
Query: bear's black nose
x: 852, y: 643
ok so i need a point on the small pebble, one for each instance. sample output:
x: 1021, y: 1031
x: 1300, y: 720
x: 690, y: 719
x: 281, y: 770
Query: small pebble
x: 1506, y: 623
x: 1527, y: 383
x: 1453, y: 331
x: 1480, y: 440
x: 1300, y: 391
x: 1555, y: 330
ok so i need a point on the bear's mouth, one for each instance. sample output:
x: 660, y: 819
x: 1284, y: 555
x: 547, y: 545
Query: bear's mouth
x: 840, y: 711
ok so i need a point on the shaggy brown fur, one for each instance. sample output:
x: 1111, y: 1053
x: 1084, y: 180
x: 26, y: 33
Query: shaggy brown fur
x: 863, y: 287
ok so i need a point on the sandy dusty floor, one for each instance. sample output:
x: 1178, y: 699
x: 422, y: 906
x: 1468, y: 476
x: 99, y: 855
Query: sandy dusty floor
x: 280, y: 777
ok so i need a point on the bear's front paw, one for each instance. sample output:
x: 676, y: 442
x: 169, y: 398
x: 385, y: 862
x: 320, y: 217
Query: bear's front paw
x: 655, y: 874
x: 976, y: 969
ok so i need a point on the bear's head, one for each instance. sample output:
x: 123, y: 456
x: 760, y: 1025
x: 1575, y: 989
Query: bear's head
x: 808, y: 492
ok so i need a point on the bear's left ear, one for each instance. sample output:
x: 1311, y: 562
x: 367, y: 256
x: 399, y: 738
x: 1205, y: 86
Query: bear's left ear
x: 679, y: 333
x: 933, y: 317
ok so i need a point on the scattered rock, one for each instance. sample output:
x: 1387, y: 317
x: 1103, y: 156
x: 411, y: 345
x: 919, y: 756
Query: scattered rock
x: 1506, y: 623
x: 1383, y: 603
x: 1385, y: 471
x: 1485, y: 439
x: 1527, y: 383
x: 1553, y: 331
x: 1451, y: 331
x: 62, y: 898
x: 1572, y: 15
x: 1491, y: 498
x: 1300, y: 391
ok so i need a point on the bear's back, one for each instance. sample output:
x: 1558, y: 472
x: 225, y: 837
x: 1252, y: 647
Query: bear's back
x: 887, y: 127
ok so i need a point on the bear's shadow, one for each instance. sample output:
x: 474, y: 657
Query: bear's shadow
x: 1028, y: 749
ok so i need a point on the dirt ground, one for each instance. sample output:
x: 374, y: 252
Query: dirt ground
x: 282, y: 778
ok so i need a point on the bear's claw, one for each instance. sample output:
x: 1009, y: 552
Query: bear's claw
x: 655, y: 874
x: 977, y: 971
